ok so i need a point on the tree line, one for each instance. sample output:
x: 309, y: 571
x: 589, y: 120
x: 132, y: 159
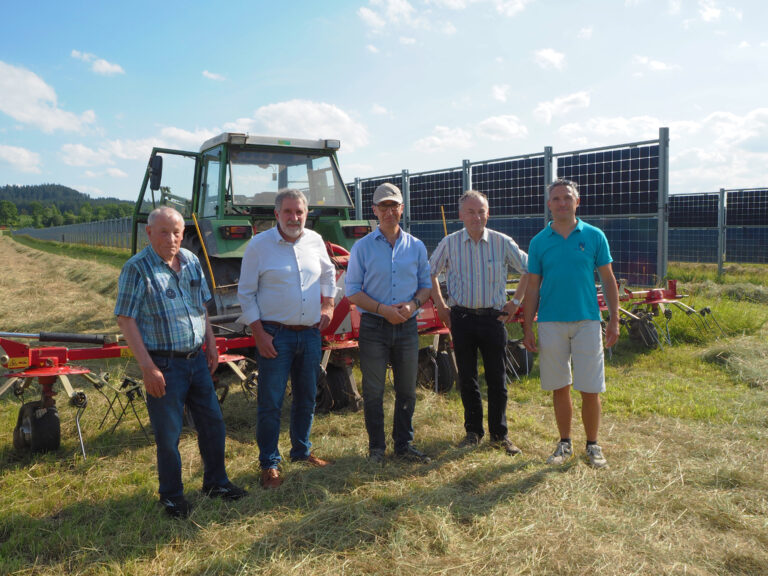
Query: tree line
x: 46, y: 205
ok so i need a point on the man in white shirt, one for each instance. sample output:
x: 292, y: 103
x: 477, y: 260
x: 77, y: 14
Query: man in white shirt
x: 286, y: 290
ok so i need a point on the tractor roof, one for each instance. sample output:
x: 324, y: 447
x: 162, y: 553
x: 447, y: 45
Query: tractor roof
x: 237, y: 138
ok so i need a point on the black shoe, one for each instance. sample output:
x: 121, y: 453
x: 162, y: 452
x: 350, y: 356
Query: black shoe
x: 227, y: 492
x: 471, y: 440
x: 176, y: 506
x: 507, y: 445
x: 410, y: 454
x: 376, y: 456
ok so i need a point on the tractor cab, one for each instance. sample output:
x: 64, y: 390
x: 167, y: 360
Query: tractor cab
x: 226, y: 193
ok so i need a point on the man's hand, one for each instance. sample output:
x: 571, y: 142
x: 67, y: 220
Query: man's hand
x: 611, y: 333
x: 444, y: 313
x: 212, y: 356
x: 529, y: 340
x: 395, y: 314
x: 263, y: 340
x: 154, y: 381
x: 509, y: 311
x: 326, y: 315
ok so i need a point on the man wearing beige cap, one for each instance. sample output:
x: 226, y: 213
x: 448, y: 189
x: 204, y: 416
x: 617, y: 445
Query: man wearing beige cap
x: 388, y: 280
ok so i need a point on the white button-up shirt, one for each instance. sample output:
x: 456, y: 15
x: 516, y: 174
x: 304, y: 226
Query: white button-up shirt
x: 284, y: 281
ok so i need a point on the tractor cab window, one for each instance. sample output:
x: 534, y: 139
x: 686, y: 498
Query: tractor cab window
x: 209, y: 193
x: 256, y: 178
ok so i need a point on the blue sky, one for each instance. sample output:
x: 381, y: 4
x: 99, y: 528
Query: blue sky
x: 87, y: 88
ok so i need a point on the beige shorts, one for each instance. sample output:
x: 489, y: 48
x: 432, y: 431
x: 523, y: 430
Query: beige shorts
x: 580, y: 343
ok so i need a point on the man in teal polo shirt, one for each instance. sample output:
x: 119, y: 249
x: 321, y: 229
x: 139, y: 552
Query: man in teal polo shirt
x: 562, y: 260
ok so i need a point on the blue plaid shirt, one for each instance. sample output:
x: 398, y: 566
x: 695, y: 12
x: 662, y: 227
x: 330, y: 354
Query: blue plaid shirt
x: 168, y: 307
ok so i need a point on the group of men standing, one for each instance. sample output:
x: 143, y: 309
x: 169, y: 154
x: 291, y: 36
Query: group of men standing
x: 287, y: 289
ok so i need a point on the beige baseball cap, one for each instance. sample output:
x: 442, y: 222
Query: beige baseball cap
x: 387, y: 192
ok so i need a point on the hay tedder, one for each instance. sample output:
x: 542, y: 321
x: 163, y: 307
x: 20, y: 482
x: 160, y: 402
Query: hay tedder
x: 641, y: 313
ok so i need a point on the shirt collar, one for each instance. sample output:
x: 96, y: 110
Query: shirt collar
x: 378, y: 234
x: 579, y: 226
x: 466, y: 237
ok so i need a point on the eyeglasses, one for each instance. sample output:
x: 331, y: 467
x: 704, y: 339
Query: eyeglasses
x: 388, y: 207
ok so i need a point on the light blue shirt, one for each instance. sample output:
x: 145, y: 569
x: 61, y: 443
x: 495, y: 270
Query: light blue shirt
x: 284, y: 281
x: 388, y: 274
x: 567, y: 269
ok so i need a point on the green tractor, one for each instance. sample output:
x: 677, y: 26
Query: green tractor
x: 226, y: 193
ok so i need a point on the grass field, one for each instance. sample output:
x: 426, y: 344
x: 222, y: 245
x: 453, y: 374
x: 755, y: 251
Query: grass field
x: 685, y: 430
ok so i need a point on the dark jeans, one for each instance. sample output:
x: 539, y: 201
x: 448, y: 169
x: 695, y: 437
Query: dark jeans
x: 382, y: 343
x: 187, y: 381
x: 298, y: 355
x: 484, y: 333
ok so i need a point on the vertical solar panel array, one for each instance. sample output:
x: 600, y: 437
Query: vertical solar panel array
x: 431, y: 193
x: 693, y: 234
x: 619, y: 190
x: 747, y: 226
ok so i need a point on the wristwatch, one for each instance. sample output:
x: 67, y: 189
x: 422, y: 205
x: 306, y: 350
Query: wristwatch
x: 515, y: 301
x: 418, y: 302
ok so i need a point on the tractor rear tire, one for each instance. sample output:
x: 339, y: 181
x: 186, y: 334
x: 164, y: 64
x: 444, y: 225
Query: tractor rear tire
x: 36, y: 430
x: 446, y: 375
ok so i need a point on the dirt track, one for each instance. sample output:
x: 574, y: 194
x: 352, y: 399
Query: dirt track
x: 43, y: 292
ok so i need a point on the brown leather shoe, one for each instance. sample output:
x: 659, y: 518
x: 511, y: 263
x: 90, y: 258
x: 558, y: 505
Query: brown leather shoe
x: 316, y: 462
x: 270, y: 478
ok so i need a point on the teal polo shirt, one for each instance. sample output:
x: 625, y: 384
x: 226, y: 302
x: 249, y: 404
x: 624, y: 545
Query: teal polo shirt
x: 567, y: 269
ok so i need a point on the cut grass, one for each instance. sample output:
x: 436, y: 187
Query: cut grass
x: 685, y: 492
x: 111, y: 256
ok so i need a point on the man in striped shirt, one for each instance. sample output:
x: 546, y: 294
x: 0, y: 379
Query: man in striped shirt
x: 475, y: 261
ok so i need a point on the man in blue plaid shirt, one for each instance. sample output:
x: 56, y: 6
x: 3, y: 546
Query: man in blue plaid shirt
x: 161, y: 311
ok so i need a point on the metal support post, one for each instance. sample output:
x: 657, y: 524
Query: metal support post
x: 406, y: 200
x: 358, y: 199
x: 547, y: 181
x: 721, y: 211
x: 466, y: 176
x: 663, y: 205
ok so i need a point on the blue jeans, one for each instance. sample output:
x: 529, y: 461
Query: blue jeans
x: 484, y: 333
x: 382, y: 343
x: 298, y: 354
x: 187, y: 382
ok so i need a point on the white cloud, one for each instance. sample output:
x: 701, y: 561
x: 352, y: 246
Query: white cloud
x: 407, y: 41
x: 606, y: 129
x: 449, y: 4
x: 397, y: 11
x: 549, y: 58
x: 304, y: 119
x: 502, y: 128
x: 79, y: 155
x: 585, y: 33
x: 444, y: 139
x: 448, y: 28
x: 510, y: 8
x: 371, y: 48
x: 378, y: 109
x: 655, y: 65
x: 20, y: 158
x: 673, y: 7
x: 371, y: 18
x: 109, y: 173
x: 26, y: 98
x: 708, y: 11
x: 187, y: 139
x: 500, y: 92
x: 561, y: 106
x: 213, y: 76
x: 744, y: 44
x: 98, y: 65
x: 133, y: 149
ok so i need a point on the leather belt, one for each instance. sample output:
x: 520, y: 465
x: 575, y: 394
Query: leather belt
x: 291, y: 327
x: 188, y: 355
x: 478, y: 311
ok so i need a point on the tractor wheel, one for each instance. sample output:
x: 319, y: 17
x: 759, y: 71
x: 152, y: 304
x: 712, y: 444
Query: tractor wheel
x: 446, y: 375
x: 643, y: 330
x: 518, y: 361
x: 37, y: 429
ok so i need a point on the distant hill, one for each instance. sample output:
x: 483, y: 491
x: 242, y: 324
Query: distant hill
x: 64, y: 198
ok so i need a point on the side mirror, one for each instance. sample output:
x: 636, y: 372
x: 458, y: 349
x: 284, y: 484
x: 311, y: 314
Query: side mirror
x: 155, y: 172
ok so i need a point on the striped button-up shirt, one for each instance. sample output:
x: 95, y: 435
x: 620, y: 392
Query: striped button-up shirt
x: 168, y: 306
x: 476, y: 272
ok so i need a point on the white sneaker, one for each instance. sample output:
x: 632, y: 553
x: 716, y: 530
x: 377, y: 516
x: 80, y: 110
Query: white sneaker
x: 595, y: 456
x: 562, y: 453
